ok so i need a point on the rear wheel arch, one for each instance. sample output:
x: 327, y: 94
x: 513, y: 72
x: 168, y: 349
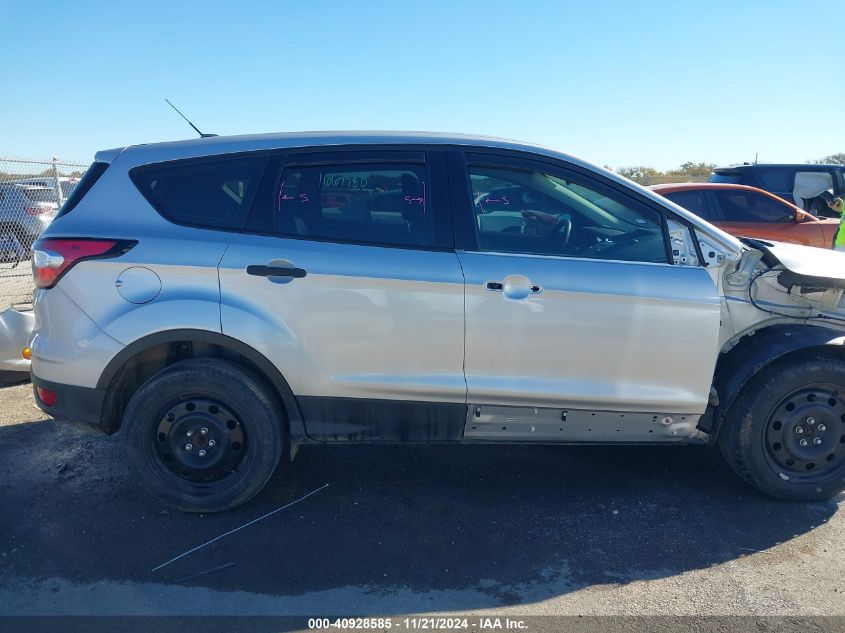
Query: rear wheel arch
x: 756, y: 351
x: 145, y: 357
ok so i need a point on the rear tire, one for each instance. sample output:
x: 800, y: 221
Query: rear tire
x: 785, y: 432
x: 203, y: 435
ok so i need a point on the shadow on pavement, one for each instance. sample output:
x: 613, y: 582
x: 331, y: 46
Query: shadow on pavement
x: 478, y: 526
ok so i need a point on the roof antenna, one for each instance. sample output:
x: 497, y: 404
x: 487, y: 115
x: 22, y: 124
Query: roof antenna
x: 196, y: 129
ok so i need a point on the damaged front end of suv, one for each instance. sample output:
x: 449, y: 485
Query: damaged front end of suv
x: 781, y: 367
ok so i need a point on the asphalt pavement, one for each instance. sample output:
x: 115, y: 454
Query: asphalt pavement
x: 532, y: 530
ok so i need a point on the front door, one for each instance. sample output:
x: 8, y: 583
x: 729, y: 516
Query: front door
x: 573, y: 309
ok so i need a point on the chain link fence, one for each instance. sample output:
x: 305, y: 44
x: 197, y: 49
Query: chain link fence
x: 31, y: 192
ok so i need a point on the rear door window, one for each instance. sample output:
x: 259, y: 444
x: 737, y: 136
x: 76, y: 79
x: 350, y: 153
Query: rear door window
x: 749, y: 206
x: 384, y: 204
x: 208, y: 193
x: 776, y: 179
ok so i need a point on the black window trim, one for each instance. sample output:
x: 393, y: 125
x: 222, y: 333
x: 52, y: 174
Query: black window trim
x: 430, y: 156
x: 489, y: 157
x: 198, y: 160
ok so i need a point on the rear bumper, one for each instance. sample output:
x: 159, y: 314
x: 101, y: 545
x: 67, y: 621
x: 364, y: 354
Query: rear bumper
x: 81, y: 406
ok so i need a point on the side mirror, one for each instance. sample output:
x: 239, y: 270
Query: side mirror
x: 800, y: 216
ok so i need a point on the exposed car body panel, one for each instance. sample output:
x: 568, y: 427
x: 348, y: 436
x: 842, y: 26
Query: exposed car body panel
x: 826, y: 268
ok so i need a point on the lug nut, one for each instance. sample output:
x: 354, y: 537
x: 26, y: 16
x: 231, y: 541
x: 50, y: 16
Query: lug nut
x: 202, y: 453
x: 189, y: 433
x: 822, y: 428
x: 817, y: 441
x: 204, y: 431
x: 799, y: 430
x: 811, y: 420
x: 803, y: 442
x: 211, y: 443
x: 189, y: 447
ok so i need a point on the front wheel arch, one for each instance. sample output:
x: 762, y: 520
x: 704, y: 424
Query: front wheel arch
x: 754, y: 352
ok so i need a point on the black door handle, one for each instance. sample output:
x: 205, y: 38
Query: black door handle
x: 275, y: 271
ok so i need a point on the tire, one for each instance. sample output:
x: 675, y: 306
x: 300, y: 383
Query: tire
x: 795, y: 400
x: 203, y: 435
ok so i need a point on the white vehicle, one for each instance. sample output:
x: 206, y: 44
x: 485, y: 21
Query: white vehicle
x: 66, y: 184
x: 222, y: 301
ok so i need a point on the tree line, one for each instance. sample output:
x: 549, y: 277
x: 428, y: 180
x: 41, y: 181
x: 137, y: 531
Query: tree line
x: 696, y: 172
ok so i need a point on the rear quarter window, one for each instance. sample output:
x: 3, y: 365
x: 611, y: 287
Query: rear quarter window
x: 208, y: 193
x: 91, y: 176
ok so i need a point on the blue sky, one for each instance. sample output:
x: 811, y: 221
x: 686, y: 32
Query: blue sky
x: 619, y: 83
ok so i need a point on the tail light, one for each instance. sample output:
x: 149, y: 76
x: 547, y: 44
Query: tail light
x: 52, y: 257
x: 47, y: 396
x: 39, y: 210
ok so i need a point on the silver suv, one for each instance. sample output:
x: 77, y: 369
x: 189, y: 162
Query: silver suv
x: 225, y: 300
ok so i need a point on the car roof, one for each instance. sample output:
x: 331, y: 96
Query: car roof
x: 285, y: 140
x: 773, y: 165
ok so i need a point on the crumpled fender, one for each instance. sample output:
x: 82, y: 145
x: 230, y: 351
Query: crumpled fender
x: 753, y: 353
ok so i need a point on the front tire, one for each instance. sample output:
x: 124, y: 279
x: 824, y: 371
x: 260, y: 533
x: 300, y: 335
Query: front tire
x: 203, y: 436
x: 785, y: 432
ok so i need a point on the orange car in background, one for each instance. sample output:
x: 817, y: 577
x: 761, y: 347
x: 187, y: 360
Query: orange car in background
x: 750, y: 212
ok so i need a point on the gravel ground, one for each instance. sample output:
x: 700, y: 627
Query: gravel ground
x: 15, y: 284
x: 411, y: 529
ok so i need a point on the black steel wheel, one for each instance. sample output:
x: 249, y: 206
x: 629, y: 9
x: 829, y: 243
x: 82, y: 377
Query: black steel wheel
x: 805, y: 434
x: 200, y: 440
x: 203, y: 435
x: 785, y: 432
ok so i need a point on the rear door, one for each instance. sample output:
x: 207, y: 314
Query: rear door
x: 571, y: 300
x: 347, y: 280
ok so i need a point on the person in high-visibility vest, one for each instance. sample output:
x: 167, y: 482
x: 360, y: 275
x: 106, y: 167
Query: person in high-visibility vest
x: 838, y: 205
